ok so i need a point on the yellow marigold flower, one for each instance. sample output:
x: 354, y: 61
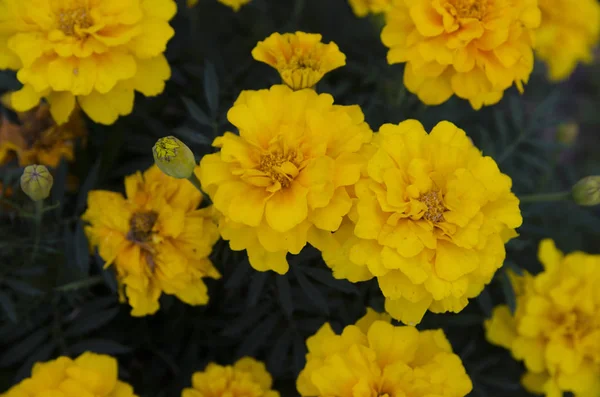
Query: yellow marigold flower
x: 362, y: 8
x: 156, y: 237
x: 36, y: 182
x: 89, y: 374
x: 283, y: 180
x: 375, y: 358
x: 92, y: 52
x: 38, y: 139
x: 556, y: 327
x: 475, y: 49
x: 568, y: 35
x: 430, y: 221
x: 247, y: 377
x: 234, y: 4
x: 300, y: 58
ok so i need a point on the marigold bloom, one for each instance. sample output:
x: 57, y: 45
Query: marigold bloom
x: 247, y: 377
x: 375, y: 358
x: 475, y: 49
x: 156, y: 237
x: 38, y: 139
x: 283, y: 180
x: 89, y: 374
x: 92, y: 52
x: 556, y: 327
x: 568, y: 35
x: 300, y: 58
x: 430, y: 221
x: 362, y: 8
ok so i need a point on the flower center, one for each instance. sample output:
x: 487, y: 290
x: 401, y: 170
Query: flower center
x: 468, y: 8
x: 70, y: 21
x: 435, y: 206
x: 140, y: 226
x: 280, y: 166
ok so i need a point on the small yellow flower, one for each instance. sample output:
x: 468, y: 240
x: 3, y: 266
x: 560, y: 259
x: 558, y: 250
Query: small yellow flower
x: 556, y: 327
x: 89, y: 374
x: 234, y: 4
x: 36, y: 182
x: 156, y: 237
x: 38, y: 139
x: 362, y: 8
x: 300, y: 58
x: 375, y: 358
x: 283, y: 180
x: 587, y: 191
x: 430, y: 221
x: 174, y: 157
x: 247, y: 378
x: 475, y: 49
x: 568, y: 35
x: 95, y: 53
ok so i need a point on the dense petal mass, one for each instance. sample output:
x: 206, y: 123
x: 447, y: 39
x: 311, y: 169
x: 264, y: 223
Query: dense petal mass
x: 90, y: 374
x: 475, y: 49
x: 246, y: 378
x: 92, y: 52
x: 429, y: 220
x: 375, y: 358
x: 555, y: 329
x: 156, y: 237
x: 568, y: 35
x: 300, y: 58
x: 285, y: 177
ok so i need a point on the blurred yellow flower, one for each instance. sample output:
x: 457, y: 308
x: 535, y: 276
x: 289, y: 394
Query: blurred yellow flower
x: 234, y: 4
x: 430, y: 221
x: 283, y: 180
x: 191, y: 3
x: 156, y: 237
x: 38, y: 139
x: 89, y: 374
x: 246, y: 378
x: 300, y: 58
x: 375, y: 358
x: 475, y: 49
x: 362, y: 8
x: 568, y: 35
x: 556, y: 327
x: 92, y: 52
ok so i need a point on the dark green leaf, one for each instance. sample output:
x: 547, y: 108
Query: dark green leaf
x: 82, y: 251
x: 514, y: 267
x: 211, y: 87
x: 40, y: 355
x: 284, y: 293
x: 86, y: 186
x: 22, y: 287
x: 107, y: 274
x: 247, y: 320
x: 326, y: 277
x: 59, y: 185
x: 196, y: 113
x: 8, y: 306
x: 298, y: 354
x: 191, y: 136
x: 280, y: 352
x: 485, y: 302
x: 311, y: 292
x: 91, y: 322
x: 238, y: 276
x: 259, y: 279
x: 257, y: 338
x: 18, y: 351
x: 101, y: 346
x: 509, y: 292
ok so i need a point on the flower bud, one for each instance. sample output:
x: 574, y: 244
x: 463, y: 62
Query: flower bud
x: 174, y: 158
x: 587, y: 191
x: 36, y: 182
x: 567, y: 133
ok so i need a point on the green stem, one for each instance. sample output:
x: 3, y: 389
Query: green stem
x: 545, y: 197
x: 194, y: 181
x: 39, y: 215
x: 76, y: 285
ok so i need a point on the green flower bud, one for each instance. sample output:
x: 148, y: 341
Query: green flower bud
x: 587, y: 191
x: 174, y: 158
x: 36, y: 182
x: 567, y: 133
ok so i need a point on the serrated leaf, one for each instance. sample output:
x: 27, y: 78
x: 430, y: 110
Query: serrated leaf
x: 258, y: 337
x: 509, y: 292
x: 311, y: 292
x: 22, y: 287
x: 86, y: 186
x: 101, y: 346
x: 18, y: 351
x: 257, y: 284
x: 8, y: 306
x: 82, y: 251
x: 284, y: 293
x: 211, y: 87
x: 196, y: 113
x: 91, y: 322
x: 326, y: 277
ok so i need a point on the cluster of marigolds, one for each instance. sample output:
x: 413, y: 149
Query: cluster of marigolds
x: 425, y: 213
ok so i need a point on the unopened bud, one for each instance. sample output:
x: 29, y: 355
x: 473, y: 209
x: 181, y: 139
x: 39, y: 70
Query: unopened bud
x: 587, y: 191
x: 36, y: 182
x: 567, y: 133
x: 174, y: 158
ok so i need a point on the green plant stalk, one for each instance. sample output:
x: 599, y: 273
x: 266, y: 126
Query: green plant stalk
x: 38, y: 217
x: 545, y: 197
x: 194, y: 181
